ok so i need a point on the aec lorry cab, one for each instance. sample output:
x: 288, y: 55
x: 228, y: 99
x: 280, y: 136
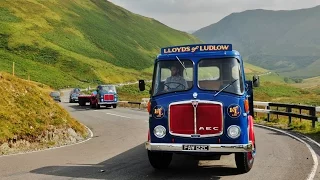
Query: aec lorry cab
x: 104, y: 95
x: 200, y: 104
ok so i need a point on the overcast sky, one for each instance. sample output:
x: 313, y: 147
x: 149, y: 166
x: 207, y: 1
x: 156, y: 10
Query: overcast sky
x: 188, y: 15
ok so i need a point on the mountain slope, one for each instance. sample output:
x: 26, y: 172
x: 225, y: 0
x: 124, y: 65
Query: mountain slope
x: 284, y: 41
x: 80, y: 42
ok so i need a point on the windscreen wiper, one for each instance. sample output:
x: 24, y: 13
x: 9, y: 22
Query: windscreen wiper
x: 226, y: 87
x: 182, y: 65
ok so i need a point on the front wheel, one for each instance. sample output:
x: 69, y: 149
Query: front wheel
x: 159, y: 160
x: 244, y: 161
x: 97, y: 106
x: 114, y: 106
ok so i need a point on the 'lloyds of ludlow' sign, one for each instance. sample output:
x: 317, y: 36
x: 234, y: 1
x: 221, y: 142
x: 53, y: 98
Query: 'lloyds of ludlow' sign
x: 197, y: 48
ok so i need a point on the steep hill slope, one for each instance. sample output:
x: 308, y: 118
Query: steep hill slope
x: 80, y: 42
x: 287, y: 42
x: 30, y: 119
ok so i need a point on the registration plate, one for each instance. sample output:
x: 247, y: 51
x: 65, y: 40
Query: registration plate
x: 195, y: 147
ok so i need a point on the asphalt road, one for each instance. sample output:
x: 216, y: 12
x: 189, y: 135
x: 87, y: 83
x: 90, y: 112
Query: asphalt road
x: 116, y: 151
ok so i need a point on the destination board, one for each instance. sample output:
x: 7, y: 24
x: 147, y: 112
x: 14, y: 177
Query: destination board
x: 196, y: 48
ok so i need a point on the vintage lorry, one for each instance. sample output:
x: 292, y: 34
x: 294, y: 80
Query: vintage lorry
x: 200, y: 104
x: 104, y: 95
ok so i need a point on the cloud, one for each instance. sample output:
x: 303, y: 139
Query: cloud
x: 194, y: 14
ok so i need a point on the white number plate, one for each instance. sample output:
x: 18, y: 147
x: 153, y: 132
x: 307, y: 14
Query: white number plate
x: 195, y: 147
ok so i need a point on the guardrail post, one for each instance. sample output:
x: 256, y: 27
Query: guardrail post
x: 313, y: 113
x: 289, y: 110
x: 300, y: 112
x: 277, y: 114
x: 268, y: 115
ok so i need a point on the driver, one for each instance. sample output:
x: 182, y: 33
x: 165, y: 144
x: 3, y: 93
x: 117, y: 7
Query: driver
x: 175, y: 81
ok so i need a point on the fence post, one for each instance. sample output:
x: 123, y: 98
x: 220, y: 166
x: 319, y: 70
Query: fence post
x: 277, y: 114
x: 313, y: 113
x: 289, y: 110
x: 300, y: 111
x: 268, y: 115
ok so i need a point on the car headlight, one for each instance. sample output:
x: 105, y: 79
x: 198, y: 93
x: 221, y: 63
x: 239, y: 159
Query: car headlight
x: 234, y: 131
x: 159, y: 131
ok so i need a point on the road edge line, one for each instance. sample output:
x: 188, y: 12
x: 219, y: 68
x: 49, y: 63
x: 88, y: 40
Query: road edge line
x: 313, y: 154
x: 52, y: 148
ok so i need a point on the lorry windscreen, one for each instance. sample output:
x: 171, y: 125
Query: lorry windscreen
x: 216, y: 73
x: 171, y: 76
x: 109, y: 89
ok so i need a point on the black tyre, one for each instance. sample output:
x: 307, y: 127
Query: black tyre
x: 114, y: 106
x: 82, y: 103
x: 159, y: 160
x: 244, y: 161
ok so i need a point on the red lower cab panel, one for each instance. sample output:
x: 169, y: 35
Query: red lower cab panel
x: 209, y: 119
x: 108, y: 97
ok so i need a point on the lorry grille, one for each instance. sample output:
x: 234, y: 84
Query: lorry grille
x: 108, y: 97
x: 208, y: 121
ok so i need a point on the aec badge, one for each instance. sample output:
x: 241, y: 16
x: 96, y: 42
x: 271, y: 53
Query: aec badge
x: 158, y: 112
x: 234, y: 110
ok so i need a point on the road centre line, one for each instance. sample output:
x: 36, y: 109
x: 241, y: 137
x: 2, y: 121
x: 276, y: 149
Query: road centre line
x: 119, y: 115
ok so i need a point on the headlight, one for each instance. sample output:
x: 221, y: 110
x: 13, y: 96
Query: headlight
x: 159, y: 131
x: 234, y: 131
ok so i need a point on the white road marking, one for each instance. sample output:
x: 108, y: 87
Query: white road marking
x: 90, y: 137
x: 313, y: 154
x: 119, y: 115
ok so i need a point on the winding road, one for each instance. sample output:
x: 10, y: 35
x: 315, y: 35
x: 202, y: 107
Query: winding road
x: 116, y: 151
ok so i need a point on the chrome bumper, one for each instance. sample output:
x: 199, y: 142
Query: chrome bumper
x: 174, y: 147
x: 102, y: 103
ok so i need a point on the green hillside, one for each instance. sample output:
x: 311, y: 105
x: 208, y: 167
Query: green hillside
x: 286, y: 42
x: 74, y: 43
x: 249, y: 68
x: 310, y: 83
x: 28, y: 114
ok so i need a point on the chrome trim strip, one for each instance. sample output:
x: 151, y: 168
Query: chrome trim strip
x: 107, y: 103
x: 195, y: 105
x: 175, y: 147
x: 190, y: 102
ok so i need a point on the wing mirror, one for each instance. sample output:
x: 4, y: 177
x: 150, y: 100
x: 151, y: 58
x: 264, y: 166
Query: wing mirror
x: 142, y: 85
x: 255, y: 81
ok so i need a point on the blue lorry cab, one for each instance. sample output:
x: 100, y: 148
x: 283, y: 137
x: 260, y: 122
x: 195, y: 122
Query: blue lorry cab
x: 200, y: 104
x: 106, y: 96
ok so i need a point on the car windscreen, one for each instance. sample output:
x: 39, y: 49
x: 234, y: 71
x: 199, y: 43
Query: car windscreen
x: 54, y: 94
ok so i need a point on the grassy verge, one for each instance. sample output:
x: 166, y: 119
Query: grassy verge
x: 297, y: 125
x: 286, y: 93
x: 27, y: 113
x: 132, y: 92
